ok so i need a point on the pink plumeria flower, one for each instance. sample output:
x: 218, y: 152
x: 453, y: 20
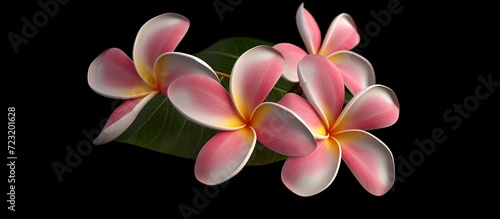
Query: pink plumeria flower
x: 113, y: 74
x: 341, y: 132
x: 241, y: 115
x: 341, y: 36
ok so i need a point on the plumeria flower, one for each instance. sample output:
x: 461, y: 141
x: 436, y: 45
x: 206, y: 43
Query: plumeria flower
x: 241, y: 115
x: 341, y: 36
x: 341, y: 132
x: 113, y: 74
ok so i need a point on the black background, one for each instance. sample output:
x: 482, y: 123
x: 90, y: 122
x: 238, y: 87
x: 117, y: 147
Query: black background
x: 430, y: 54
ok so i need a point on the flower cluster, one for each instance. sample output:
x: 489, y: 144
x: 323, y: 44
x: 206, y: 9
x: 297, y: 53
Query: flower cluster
x: 312, y: 126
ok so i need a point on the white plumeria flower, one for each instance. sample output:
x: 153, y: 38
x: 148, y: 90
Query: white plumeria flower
x: 340, y: 38
x: 340, y: 132
x: 113, y: 74
x: 241, y: 115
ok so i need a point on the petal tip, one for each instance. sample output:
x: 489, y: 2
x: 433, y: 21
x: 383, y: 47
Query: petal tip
x: 100, y: 140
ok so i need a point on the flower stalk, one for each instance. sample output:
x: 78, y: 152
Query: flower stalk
x: 220, y: 74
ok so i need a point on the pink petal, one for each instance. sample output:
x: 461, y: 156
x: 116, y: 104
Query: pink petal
x: 369, y: 160
x: 292, y: 55
x: 172, y: 65
x: 357, y: 71
x: 122, y: 118
x: 341, y: 35
x: 253, y: 76
x: 112, y: 74
x: 282, y: 131
x: 159, y: 35
x: 308, y: 29
x: 374, y: 107
x: 309, y: 175
x: 323, y: 86
x: 204, y: 101
x: 306, y: 112
x: 223, y: 156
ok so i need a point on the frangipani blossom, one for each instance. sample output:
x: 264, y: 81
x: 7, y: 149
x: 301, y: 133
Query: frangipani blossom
x: 241, y: 115
x: 113, y: 74
x: 341, y: 37
x: 341, y: 133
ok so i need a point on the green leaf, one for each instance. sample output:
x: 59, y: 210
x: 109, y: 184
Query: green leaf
x: 159, y: 127
x: 347, y: 96
x: 222, y: 55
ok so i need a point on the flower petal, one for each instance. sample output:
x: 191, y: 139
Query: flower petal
x: 357, y: 71
x: 224, y: 155
x: 306, y: 112
x: 112, y: 74
x: 308, y: 29
x: 369, y: 160
x: 341, y: 35
x: 282, y: 131
x: 204, y: 101
x: 122, y: 118
x: 309, y: 175
x: 292, y: 55
x: 172, y: 65
x: 159, y: 35
x: 374, y: 107
x: 253, y: 76
x: 323, y: 86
